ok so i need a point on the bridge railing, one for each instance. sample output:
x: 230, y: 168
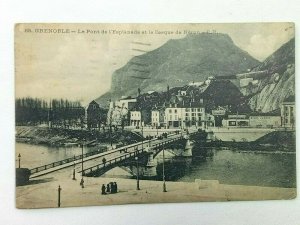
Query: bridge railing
x: 64, y: 161
x: 157, y: 147
x: 111, y: 162
x: 78, y: 157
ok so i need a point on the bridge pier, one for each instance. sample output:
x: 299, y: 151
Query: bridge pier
x: 187, y: 151
x: 210, y: 136
x: 22, y: 176
x: 150, y: 168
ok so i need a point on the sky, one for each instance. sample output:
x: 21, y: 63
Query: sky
x: 78, y: 65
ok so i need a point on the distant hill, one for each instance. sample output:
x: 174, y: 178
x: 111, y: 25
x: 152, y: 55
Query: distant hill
x: 225, y: 94
x: 178, y: 62
x: 268, y: 93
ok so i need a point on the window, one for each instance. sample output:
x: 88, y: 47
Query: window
x: 170, y: 117
x: 193, y: 110
x: 231, y: 123
x: 170, y: 110
x: 175, y: 110
x: 187, y: 110
x: 176, y: 117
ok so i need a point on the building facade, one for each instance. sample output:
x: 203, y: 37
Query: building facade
x: 187, y: 115
x: 157, y: 117
x: 127, y: 102
x: 288, y: 112
x: 140, y: 117
x: 236, y: 121
x: 135, y: 118
x: 266, y: 121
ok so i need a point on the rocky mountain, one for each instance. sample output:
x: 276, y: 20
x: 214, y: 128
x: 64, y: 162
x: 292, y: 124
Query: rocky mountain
x: 178, y: 62
x: 268, y: 93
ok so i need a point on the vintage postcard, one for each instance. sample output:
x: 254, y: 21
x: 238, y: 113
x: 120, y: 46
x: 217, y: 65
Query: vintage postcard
x: 154, y: 113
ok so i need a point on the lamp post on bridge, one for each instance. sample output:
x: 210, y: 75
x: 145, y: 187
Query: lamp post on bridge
x: 137, y: 174
x: 19, y: 159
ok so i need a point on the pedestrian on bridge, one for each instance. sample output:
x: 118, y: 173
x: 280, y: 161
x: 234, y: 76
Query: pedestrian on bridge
x: 104, y: 161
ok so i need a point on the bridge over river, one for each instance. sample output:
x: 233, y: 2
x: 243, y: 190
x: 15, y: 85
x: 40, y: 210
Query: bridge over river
x: 94, y: 165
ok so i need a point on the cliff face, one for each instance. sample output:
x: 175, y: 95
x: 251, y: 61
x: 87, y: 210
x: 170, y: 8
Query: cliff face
x: 268, y: 93
x: 179, y: 62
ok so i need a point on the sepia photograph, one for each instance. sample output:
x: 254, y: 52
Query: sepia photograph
x: 113, y: 113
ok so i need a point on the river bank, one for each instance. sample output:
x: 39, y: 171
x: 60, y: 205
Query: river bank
x: 66, y: 137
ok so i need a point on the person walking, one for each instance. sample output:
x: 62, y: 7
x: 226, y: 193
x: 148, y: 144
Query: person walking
x: 116, y: 187
x: 108, y: 188
x: 112, y: 187
x: 104, y: 161
x: 103, y: 190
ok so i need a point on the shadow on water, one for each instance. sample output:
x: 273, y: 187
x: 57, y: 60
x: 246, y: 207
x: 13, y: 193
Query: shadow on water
x: 179, y: 167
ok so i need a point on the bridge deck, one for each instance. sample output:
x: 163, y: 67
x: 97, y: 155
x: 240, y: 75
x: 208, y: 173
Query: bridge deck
x: 96, y: 159
x: 155, y: 148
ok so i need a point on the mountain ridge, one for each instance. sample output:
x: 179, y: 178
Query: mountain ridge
x: 178, y: 62
x: 278, y: 84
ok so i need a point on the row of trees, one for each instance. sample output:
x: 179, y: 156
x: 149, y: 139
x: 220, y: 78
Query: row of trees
x: 57, y: 112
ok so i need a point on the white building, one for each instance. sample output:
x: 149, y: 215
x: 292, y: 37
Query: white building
x: 173, y: 116
x: 126, y: 102
x: 236, y: 121
x: 265, y: 120
x: 187, y: 115
x: 135, y: 118
x: 157, y: 117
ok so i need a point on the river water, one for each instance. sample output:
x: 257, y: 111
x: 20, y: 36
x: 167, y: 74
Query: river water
x: 233, y: 167
x: 227, y: 166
